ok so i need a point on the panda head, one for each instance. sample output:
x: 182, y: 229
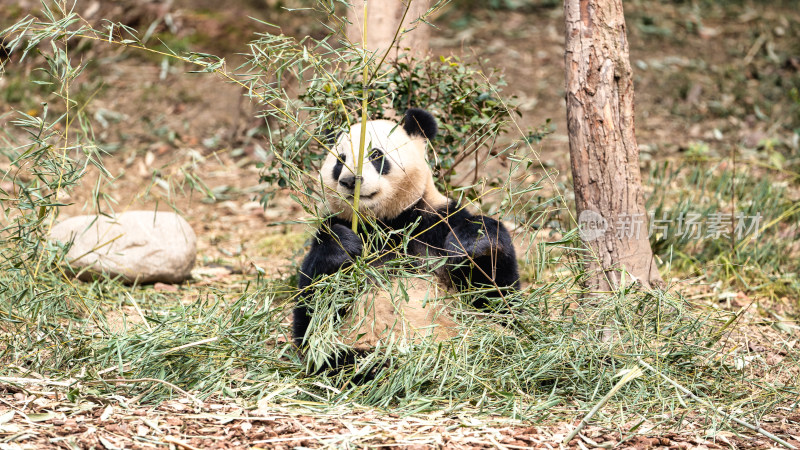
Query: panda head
x: 395, y: 172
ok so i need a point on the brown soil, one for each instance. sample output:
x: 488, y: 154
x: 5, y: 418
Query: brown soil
x: 44, y: 420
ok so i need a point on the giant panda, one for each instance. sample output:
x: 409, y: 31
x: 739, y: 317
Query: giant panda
x: 398, y: 194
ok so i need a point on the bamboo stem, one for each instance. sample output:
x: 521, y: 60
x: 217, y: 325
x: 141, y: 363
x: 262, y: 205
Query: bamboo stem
x: 362, y: 141
x: 626, y: 377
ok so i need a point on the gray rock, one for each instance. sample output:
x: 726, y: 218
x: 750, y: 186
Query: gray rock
x: 140, y: 246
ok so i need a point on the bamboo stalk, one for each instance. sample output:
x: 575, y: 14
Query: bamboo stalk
x: 626, y: 377
x: 363, y: 138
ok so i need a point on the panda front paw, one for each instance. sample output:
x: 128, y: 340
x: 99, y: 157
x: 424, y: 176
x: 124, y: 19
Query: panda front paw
x: 460, y: 248
x: 478, y: 237
x: 480, y: 253
x: 334, y: 247
x: 347, y: 240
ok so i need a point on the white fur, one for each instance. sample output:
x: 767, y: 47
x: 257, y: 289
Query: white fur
x: 382, y: 196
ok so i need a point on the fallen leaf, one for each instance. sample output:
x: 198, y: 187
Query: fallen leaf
x: 40, y: 417
x: 6, y: 416
x: 107, y: 413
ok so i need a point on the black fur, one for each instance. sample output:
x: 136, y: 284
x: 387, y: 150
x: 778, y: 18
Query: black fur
x: 348, y: 181
x: 381, y: 164
x: 479, y: 251
x: 418, y: 122
x: 337, y: 168
x: 334, y: 247
x: 481, y: 254
x: 331, y: 135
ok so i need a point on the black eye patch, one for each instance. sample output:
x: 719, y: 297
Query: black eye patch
x: 337, y: 168
x: 378, y: 160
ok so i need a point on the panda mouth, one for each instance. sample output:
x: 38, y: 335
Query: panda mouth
x: 363, y: 196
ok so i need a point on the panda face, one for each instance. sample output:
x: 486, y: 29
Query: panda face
x: 395, y: 172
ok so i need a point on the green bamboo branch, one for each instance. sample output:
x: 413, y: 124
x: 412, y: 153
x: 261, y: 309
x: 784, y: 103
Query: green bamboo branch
x: 363, y: 138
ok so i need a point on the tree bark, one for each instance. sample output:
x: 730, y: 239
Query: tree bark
x: 602, y: 143
x: 383, y: 20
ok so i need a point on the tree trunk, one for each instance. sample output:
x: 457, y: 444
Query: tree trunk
x: 383, y: 20
x: 602, y: 146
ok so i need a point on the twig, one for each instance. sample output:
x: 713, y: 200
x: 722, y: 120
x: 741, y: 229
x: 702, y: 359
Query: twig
x: 179, y: 443
x: 301, y: 438
x: 109, y: 369
x: 595, y: 444
x: 748, y: 58
x: 35, y: 381
x: 139, y: 311
x: 191, y: 344
x: 196, y: 400
x: 628, y: 376
x: 717, y: 410
x: 495, y: 443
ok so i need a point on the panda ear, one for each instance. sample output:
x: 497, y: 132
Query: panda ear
x: 418, y: 122
x: 331, y: 135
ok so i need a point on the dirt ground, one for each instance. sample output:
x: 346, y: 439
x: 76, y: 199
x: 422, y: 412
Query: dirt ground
x: 154, y: 119
x: 43, y: 420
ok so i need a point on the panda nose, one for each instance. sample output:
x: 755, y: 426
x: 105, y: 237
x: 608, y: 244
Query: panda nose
x: 348, y: 182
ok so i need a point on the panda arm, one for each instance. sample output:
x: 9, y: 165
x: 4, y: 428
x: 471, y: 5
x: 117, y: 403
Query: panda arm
x: 334, y: 246
x: 481, y: 253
